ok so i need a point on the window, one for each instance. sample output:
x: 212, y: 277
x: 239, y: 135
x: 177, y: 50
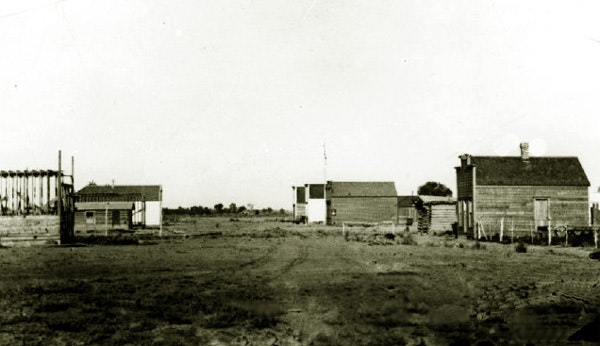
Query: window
x: 89, y: 217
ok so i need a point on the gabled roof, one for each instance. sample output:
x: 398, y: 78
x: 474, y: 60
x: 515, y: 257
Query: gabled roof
x: 363, y: 189
x: 121, y: 192
x: 536, y: 171
x: 104, y: 206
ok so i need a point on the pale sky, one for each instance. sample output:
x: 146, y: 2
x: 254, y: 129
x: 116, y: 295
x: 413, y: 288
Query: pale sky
x: 232, y: 101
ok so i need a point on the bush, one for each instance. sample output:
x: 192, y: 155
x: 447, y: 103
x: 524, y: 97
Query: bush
x: 478, y: 246
x: 521, y: 247
x: 407, y: 239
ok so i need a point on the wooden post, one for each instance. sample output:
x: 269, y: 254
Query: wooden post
x: 595, y: 238
x: 531, y: 231
x: 48, y: 191
x: 549, y: 232
x: 566, y: 236
x: 501, y: 228
x: 59, y: 199
x: 512, y: 230
x: 160, y: 230
x: 106, y: 220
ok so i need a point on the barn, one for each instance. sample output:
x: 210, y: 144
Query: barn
x: 369, y: 201
x: 520, y: 193
x: 146, y: 198
x: 103, y: 216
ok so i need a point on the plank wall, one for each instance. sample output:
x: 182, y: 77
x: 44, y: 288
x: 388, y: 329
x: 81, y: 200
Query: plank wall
x: 30, y: 229
x: 568, y: 205
x: 364, y: 209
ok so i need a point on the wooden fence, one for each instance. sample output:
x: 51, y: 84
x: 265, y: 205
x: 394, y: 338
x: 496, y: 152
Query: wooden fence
x: 508, y: 231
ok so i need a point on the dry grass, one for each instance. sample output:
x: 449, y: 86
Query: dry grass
x: 252, y: 281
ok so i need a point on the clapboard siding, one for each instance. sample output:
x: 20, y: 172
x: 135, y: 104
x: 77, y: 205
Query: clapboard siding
x: 464, y: 182
x: 300, y: 210
x: 442, y: 217
x: 364, y: 209
x: 30, y: 229
x: 567, y: 205
x: 102, y: 220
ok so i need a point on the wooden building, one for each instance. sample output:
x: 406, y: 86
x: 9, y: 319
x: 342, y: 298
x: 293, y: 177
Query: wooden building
x: 299, y: 205
x: 147, y: 200
x: 520, y: 193
x: 315, y: 203
x: 361, y: 202
x: 436, y: 213
x: 407, y: 212
x: 103, y: 216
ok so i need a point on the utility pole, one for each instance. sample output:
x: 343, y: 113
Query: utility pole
x: 59, y: 208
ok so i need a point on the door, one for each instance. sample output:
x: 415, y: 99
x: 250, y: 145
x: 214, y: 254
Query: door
x: 540, y: 212
x: 116, y: 217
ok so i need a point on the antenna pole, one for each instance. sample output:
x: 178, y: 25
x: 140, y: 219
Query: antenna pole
x: 324, y: 162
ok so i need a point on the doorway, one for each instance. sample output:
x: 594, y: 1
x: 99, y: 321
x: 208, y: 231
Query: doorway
x: 540, y: 212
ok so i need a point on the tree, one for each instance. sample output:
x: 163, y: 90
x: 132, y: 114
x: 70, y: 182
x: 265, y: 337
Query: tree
x: 432, y: 188
x: 219, y: 208
x: 233, y: 208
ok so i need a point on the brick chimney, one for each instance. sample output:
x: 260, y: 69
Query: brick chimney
x: 465, y: 160
x: 524, y: 151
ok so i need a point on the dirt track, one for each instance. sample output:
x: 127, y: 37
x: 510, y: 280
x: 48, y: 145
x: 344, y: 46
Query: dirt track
x: 273, y: 283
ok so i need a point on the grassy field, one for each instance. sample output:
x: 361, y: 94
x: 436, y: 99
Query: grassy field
x: 213, y: 281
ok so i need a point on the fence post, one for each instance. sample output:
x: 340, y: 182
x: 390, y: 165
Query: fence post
x: 501, y: 228
x: 512, y: 230
x: 531, y: 231
x: 596, y: 238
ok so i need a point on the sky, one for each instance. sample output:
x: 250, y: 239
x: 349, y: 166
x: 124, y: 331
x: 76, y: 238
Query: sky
x: 238, y: 101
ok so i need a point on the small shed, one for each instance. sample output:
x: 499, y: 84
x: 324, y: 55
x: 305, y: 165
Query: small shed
x: 407, y: 211
x: 436, y: 213
x: 103, y: 216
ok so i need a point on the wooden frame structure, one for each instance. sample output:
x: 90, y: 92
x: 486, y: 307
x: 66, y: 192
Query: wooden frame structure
x: 39, y: 193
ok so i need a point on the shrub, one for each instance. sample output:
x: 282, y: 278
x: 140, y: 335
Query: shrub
x: 521, y: 247
x: 478, y: 246
x: 407, y: 239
